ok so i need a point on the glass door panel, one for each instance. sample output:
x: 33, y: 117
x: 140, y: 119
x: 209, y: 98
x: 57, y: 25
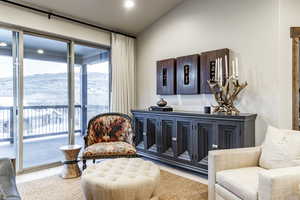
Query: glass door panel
x: 92, y: 85
x: 45, y: 100
x: 98, y: 89
x: 8, y: 135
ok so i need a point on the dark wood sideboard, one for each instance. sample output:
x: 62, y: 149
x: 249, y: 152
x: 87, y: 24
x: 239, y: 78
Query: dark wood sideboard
x: 183, y: 139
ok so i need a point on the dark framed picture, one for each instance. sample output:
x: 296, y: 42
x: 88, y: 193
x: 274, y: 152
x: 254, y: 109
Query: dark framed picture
x: 166, y: 77
x: 188, y: 74
x: 208, y: 67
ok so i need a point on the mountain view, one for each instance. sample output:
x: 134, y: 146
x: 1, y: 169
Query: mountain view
x: 51, y: 89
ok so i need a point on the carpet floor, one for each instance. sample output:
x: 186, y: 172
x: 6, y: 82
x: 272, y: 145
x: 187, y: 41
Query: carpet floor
x: 172, y: 187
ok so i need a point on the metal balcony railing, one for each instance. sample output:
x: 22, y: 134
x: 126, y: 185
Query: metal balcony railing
x: 41, y: 121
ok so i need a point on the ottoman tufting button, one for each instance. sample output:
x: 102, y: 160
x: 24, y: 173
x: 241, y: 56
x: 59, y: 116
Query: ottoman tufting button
x: 113, y: 179
x: 101, y: 175
x: 131, y: 177
x: 118, y: 173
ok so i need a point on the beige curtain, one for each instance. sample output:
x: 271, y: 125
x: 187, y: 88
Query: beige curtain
x: 123, y: 73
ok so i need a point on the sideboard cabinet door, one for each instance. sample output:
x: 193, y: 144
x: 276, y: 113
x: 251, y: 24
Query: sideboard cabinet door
x: 151, y: 136
x: 228, y: 136
x: 185, y: 142
x: 204, y: 139
x: 139, y: 123
x: 167, y: 129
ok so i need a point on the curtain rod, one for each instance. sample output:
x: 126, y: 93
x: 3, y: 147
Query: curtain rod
x: 65, y: 18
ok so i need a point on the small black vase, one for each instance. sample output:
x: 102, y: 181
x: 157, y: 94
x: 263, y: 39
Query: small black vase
x: 207, y: 109
x: 162, y: 103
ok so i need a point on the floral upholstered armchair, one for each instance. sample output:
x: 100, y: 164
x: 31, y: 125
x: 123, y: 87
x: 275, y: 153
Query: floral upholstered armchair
x: 109, y: 135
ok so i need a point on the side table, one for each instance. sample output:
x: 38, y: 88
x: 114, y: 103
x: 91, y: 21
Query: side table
x: 70, y: 168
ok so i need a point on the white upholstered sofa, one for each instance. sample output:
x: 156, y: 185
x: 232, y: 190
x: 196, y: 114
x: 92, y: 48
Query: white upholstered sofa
x: 235, y: 175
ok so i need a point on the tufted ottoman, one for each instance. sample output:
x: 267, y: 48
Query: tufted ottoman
x: 121, y: 179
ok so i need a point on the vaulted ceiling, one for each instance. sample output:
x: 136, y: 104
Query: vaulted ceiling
x: 109, y: 13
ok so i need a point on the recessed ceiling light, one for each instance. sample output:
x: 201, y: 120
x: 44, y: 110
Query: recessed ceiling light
x: 40, y: 51
x: 129, y: 4
x: 3, y: 44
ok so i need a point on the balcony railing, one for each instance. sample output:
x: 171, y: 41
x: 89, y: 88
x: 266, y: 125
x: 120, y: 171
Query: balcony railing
x: 41, y: 121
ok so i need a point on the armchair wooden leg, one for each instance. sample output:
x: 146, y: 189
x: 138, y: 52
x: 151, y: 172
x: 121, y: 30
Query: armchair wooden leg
x: 83, y: 165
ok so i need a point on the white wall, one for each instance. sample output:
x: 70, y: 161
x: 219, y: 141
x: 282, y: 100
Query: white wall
x: 20, y: 17
x: 289, y: 17
x: 250, y: 28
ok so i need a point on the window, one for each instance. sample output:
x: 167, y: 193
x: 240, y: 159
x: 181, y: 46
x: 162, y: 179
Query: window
x: 45, y: 100
x: 40, y: 83
x: 92, y: 85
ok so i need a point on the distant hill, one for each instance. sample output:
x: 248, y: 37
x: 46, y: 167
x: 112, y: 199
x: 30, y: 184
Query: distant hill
x: 51, y: 89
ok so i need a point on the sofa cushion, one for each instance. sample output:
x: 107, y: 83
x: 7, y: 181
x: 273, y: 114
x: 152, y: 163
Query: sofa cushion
x: 109, y: 149
x: 242, y: 182
x: 224, y: 194
x: 280, y: 149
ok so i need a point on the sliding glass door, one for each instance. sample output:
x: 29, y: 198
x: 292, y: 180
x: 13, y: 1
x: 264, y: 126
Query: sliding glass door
x: 45, y: 100
x: 49, y: 89
x: 92, y: 84
x: 8, y: 137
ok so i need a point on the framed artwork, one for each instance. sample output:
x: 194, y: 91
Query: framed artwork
x: 208, y: 66
x: 166, y: 77
x: 188, y: 74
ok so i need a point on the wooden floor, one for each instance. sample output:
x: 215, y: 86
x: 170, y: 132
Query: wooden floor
x: 39, y: 151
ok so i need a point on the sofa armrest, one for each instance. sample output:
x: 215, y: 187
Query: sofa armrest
x: 220, y: 160
x: 8, y: 187
x: 6, y: 167
x: 14, y: 164
x: 279, y: 184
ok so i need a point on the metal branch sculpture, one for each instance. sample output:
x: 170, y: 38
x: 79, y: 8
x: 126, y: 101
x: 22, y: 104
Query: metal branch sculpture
x: 226, y: 95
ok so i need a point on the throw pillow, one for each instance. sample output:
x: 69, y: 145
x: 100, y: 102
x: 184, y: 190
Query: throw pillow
x: 281, y: 148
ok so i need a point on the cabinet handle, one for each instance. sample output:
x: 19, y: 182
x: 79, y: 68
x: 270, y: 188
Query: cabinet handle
x: 174, y: 139
x: 144, y: 134
x: 214, y: 146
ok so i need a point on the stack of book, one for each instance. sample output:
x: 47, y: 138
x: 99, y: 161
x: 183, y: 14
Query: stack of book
x: 157, y: 108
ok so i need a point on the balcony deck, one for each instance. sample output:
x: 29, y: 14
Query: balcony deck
x: 39, y: 151
x: 45, y: 130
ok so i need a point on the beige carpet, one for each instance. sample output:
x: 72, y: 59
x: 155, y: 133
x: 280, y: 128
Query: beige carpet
x: 172, y: 187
